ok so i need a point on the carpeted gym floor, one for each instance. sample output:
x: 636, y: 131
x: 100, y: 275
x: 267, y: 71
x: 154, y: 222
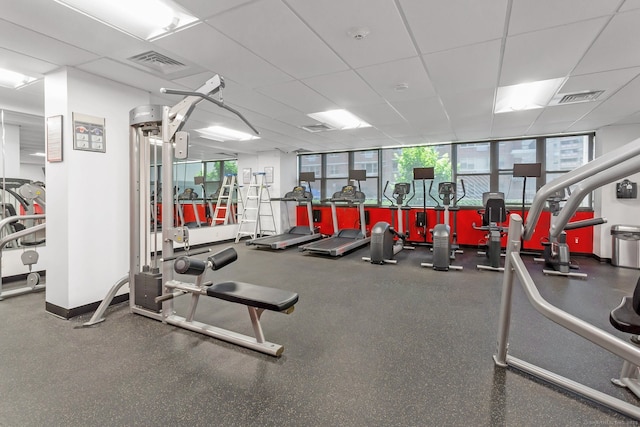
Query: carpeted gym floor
x: 367, y: 345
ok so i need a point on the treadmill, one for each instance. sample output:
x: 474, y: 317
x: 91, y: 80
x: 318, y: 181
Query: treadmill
x: 297, y: 234
x: 346, y: 239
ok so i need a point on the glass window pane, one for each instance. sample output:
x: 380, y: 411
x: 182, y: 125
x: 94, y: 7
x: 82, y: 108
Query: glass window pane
x: 567, y: 152
x: 367, y: 160
x: 520, y: 151
x: 474, y: 158
x: 370, y: 190
x: 230, y: 167
x: 512, y: 188
x: 474, y: 187
x: 184, y: 174
x: 337, y: 165
x: 311, y: 163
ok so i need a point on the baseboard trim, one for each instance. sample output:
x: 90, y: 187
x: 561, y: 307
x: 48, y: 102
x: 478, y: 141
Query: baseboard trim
x: 68, y: 313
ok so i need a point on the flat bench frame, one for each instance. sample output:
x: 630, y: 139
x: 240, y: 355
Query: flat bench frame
x: 257, y: 342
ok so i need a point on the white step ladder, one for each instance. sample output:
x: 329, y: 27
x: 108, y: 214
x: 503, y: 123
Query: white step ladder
x: 224, y: 213
x: 257, y: 214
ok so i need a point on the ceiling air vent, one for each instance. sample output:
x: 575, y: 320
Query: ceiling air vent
x: 580, y: 97
x: 158, y: 62
x: 317, y: 128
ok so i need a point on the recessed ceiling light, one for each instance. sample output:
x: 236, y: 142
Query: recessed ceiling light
x: 400, y: 87
x: 146, y: 19
x: 14, y: 80
x: 221, y: 133
x: 38, y: 154
x: 526, y: 96
x: 339, y: 119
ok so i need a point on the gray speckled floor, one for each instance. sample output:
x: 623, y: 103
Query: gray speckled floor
x: 368, y: 345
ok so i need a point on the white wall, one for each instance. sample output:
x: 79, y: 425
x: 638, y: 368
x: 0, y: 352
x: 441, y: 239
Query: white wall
x: 284, y: 179
x: 87, y: 193
x: 617, y: 211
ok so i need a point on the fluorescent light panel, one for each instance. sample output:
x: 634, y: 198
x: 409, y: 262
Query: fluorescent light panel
x: 146, y: 19
x: 221, y: 133
x: 339, y: 119
x: 14, y: 80
x: 526, y: 96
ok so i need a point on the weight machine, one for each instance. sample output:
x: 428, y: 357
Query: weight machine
x: 605, y: 169
x: 151, y: 280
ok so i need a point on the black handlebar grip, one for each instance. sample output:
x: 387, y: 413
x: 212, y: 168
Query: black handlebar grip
x: 222, y: 258
x: 191, y: 266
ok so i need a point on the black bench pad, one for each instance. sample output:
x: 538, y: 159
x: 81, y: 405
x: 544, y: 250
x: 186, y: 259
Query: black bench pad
x: 624, y: 318
x: 253, y: 295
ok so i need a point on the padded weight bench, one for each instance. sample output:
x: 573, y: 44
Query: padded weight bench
x: 256, y: 298
x: 626, y: 318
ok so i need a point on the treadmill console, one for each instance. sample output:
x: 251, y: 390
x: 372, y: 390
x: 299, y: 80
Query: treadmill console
x: 299, y: 194
x: 350, y: 194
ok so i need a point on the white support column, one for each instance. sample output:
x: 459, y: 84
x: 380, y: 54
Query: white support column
x: 87, y: 193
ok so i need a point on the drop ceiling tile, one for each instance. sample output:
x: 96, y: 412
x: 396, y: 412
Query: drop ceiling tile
x: 128, y: 75
x: 547, y: 54
x: 387, y: 40
x: 470, y: 104
x: 204, y: 9
x: 66, y: 26
x: 438, y: 25
x: 36, y: 51
x: 550, y: 128
x: 378, y: 114
x: 536, y: 15
x: 514, y: 119
x: 609, y: 81
x: 630, y: 5
x: 384, y: 78
x: 565, y: 113
x: 422, y: 112
x: 224, y: 56
x: 275, y: 33
x: 616, y: 47
x: 346, y: 89
x: 298, y: 96
x: 450, y: 71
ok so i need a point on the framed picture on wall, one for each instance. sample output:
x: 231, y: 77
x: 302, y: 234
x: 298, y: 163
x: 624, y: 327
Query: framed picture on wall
x: 89, y: 133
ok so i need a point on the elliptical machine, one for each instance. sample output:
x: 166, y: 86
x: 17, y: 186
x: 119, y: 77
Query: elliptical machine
x: 444, y: 241
x: 387, y: 241
x: 556, y: 253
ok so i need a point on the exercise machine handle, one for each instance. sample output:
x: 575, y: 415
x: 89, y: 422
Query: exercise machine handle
x: 210, y: 99
x: 585, y: 223
x: 222, y: 258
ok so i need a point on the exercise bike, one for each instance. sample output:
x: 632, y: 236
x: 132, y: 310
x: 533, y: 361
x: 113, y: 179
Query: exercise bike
x: 556, y: 253
x: 493, y: 215
x: 387, y: 241
x: 445, y: 244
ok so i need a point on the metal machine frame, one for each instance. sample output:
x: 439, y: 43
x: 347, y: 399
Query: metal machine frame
x: 608, y: 168
x: 153, y: 288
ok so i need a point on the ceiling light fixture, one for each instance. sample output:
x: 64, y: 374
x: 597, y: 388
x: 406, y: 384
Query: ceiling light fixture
x: 526, y: 96
x: 14, y: 80
x: 38, y: 154
x: 146, y: 19
x: 221, y: 133
x: 339, y: 119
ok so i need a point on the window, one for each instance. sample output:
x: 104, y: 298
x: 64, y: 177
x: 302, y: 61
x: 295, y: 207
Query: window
x: 510, y: 152
x: 398, y: 165
x: 474, y: 167
x: 482, y: 166
x: 563, y: 154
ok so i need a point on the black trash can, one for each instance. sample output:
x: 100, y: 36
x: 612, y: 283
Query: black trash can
x: 625, y: 246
